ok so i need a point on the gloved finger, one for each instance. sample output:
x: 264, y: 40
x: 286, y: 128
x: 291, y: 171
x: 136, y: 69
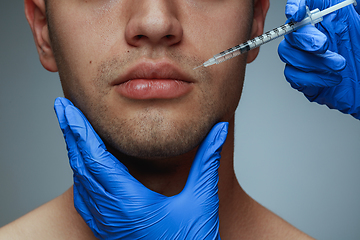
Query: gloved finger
x: 76, y: 163
x: 308, y: 38
x: 307, y: 62
x: 86, y: 182
x: 295, y: 10
x: 59, y: 106
x: 75, y: 159
x: 203, y: 172
x: 344, y: 97
x: 302, y: 81
x: 339, y: 101
x: 321, y: 5
x: 108, y: 171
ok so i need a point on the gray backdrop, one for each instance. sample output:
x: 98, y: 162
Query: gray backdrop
x: 299, y: 159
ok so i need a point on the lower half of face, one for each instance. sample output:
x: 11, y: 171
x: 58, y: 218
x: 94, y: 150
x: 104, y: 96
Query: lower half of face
x: 158, y: 125
x: 157, y: 128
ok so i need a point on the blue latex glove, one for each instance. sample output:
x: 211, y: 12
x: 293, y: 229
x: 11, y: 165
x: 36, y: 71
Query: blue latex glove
x: 323, y: 62
x: 116, y: 206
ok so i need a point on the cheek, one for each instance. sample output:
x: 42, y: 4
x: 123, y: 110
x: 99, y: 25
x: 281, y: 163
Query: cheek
x: 216, y: 28
x: 83, y: 38
x: 215, y: 32
x: 227, y: 87
x: 233, y: 84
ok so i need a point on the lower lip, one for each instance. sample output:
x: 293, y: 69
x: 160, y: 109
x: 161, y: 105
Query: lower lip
x: 142, y: 89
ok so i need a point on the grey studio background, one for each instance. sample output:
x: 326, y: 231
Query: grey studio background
x: 299, y: 159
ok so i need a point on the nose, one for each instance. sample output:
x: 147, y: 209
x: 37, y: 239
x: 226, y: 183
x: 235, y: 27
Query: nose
x: 155, y: 23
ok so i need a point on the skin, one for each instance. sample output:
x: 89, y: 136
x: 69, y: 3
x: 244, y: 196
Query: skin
x: 163, y: 128
x: 90, y: 43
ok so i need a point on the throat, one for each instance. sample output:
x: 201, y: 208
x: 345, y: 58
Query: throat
x: 166, y: 176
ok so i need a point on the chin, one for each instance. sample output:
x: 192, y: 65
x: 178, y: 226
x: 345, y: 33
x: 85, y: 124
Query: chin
x: 159, y: 146
x: 156, y: 140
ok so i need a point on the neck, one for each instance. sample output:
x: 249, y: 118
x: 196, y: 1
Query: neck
x: 169, y: 176
x: 240, y: 216
x: 165, y: 176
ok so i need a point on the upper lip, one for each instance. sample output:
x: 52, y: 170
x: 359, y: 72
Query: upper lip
x: 153, y: 70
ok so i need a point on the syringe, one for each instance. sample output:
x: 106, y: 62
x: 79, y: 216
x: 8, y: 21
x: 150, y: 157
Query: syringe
x: 313, y: 17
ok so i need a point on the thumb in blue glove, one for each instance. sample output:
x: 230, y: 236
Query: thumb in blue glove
x: 323, y: 62
x: 116, y: 206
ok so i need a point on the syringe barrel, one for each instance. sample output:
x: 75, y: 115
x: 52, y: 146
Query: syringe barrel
x: 254, y: 43
x: 228, y: 54
x: 270, y: 35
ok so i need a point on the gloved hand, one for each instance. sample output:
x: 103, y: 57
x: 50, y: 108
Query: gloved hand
x: 116, y: 206
x: 323, y: 62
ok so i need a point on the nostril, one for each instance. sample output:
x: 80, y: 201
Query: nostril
x: 170, y: 38
x: 146, y: 28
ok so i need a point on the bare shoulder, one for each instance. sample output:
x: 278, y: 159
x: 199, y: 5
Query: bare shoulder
x: 56, y: 219
x: 272, y: 226
x: 250, y: 220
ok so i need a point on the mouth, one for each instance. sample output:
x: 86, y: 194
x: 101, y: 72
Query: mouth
x: 153, y: 80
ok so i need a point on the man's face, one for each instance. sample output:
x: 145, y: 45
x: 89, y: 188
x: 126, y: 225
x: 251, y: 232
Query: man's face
x: 128, y: 66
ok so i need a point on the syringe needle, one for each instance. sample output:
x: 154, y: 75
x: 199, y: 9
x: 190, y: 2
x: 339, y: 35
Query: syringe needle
x: 198, y: 66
